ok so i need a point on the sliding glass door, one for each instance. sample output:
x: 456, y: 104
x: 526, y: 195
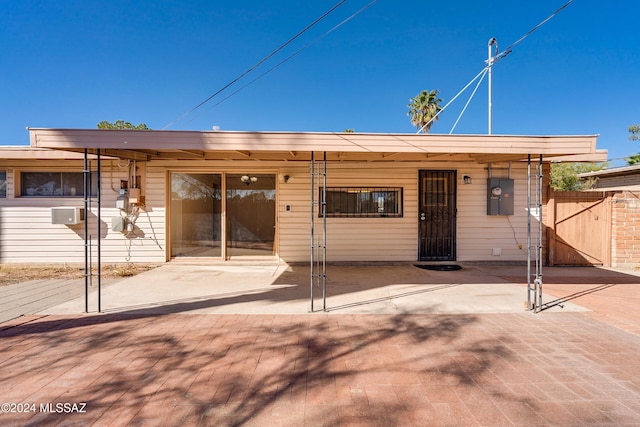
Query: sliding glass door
x: 196, y: 215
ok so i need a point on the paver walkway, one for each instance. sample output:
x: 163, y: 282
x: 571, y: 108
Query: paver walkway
x: 180, y: 367
x: 563, y: 369
x: 612, y: 302
x: 34, y: 296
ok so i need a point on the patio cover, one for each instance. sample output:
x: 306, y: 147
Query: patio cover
x: 298, y: 146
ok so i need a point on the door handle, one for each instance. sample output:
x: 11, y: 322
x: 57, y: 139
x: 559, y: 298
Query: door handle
x: 423, y: 216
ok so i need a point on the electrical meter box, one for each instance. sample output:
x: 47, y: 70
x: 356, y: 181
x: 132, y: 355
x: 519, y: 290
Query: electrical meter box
x: 500, y: 196
x: 122, y: 201
x: 134, y: 196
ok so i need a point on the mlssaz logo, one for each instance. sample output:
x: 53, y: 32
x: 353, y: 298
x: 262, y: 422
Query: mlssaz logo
x: 64, y: 408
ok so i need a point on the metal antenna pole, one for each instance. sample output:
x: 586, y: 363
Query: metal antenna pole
x: 490, y: 60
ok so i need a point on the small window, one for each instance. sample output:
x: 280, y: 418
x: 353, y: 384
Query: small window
x: 3, y: 184
x: 363, y: 202
x: 56, y: 184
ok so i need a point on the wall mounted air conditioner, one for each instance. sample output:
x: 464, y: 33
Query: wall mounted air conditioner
x: 67, y: 215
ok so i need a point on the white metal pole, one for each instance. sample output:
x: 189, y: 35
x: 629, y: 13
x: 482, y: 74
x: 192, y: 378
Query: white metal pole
x: 490, y: 58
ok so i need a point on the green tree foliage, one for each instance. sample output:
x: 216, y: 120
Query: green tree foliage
x: 423, y: 109
x: 564, y: 176
x: 634, y: 135
x: 633, y: 160
x: 121, y: 125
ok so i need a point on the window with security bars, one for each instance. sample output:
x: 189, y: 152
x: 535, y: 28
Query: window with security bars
x: 363, y: 202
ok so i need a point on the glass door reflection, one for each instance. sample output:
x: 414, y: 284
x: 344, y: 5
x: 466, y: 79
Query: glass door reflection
x: 251, y: 214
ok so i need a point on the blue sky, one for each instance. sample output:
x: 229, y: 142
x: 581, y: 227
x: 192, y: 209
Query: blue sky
x: 73, y: 63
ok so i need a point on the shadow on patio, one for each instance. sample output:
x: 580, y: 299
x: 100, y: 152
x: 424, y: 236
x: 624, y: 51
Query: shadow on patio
x: 282, y: 289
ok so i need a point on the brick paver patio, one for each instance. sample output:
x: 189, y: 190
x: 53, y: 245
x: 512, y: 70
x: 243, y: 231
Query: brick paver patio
x: 560, y: 369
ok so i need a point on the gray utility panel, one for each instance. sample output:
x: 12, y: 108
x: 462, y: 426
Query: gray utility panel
x: 500, y: 196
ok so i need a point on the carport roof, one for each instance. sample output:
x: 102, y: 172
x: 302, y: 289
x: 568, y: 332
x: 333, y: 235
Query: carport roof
x: 298, y: 146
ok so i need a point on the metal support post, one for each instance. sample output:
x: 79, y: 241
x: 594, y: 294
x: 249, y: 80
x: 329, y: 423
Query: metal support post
x: 534, y: 288
x: 538, y: 279
x: 529, y: 288
x: 99, y: 233
x: 318, y: 258
x: 323, y: 209
x: 313, y: 209
x: 86, y: 176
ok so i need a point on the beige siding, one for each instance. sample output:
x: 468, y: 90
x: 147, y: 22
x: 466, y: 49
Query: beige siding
x: 351, y: 239
x: 29, y: 236
x: 479, y: 233
x: 396, y: 239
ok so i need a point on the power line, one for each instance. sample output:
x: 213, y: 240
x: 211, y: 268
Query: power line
x: 293, y: 55
x: 324, y: 15
x: 498, y: 56
x: 512, y: 45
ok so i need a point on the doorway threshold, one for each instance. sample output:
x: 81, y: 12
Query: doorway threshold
x: 241, y: 260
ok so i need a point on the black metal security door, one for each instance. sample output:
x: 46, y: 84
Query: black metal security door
x: 437, y: 210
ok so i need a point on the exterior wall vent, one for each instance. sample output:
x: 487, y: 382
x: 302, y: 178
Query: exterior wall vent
x: 67, y: 215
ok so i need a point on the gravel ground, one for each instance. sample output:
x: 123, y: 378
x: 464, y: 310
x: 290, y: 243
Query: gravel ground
x: 16, y: 273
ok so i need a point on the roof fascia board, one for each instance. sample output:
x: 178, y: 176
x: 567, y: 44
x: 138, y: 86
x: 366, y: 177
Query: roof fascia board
x: 310, y: 142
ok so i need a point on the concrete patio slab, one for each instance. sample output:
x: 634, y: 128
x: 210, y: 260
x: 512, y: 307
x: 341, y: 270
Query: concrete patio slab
x: 283, y: 289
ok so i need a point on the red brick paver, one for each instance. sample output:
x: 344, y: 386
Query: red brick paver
x: 610, y: 296
x: 611, y: 302
x: 561, y: 369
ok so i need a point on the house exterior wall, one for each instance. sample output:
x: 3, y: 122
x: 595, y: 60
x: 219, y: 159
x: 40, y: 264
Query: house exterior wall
x: 620, y: 181
x: 28, y: 235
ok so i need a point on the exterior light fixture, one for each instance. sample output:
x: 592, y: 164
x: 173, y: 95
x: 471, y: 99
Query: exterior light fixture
x: 284, y: 178
x: 466, y: 179
x: 248, y: 180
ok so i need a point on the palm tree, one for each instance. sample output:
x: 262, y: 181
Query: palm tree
x: 423, y: 109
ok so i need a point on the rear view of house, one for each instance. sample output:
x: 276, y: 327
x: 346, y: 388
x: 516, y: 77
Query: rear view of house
x: 157, y: 196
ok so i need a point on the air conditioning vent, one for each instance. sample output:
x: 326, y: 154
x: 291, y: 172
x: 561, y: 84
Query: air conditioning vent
x: 67, y: 215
